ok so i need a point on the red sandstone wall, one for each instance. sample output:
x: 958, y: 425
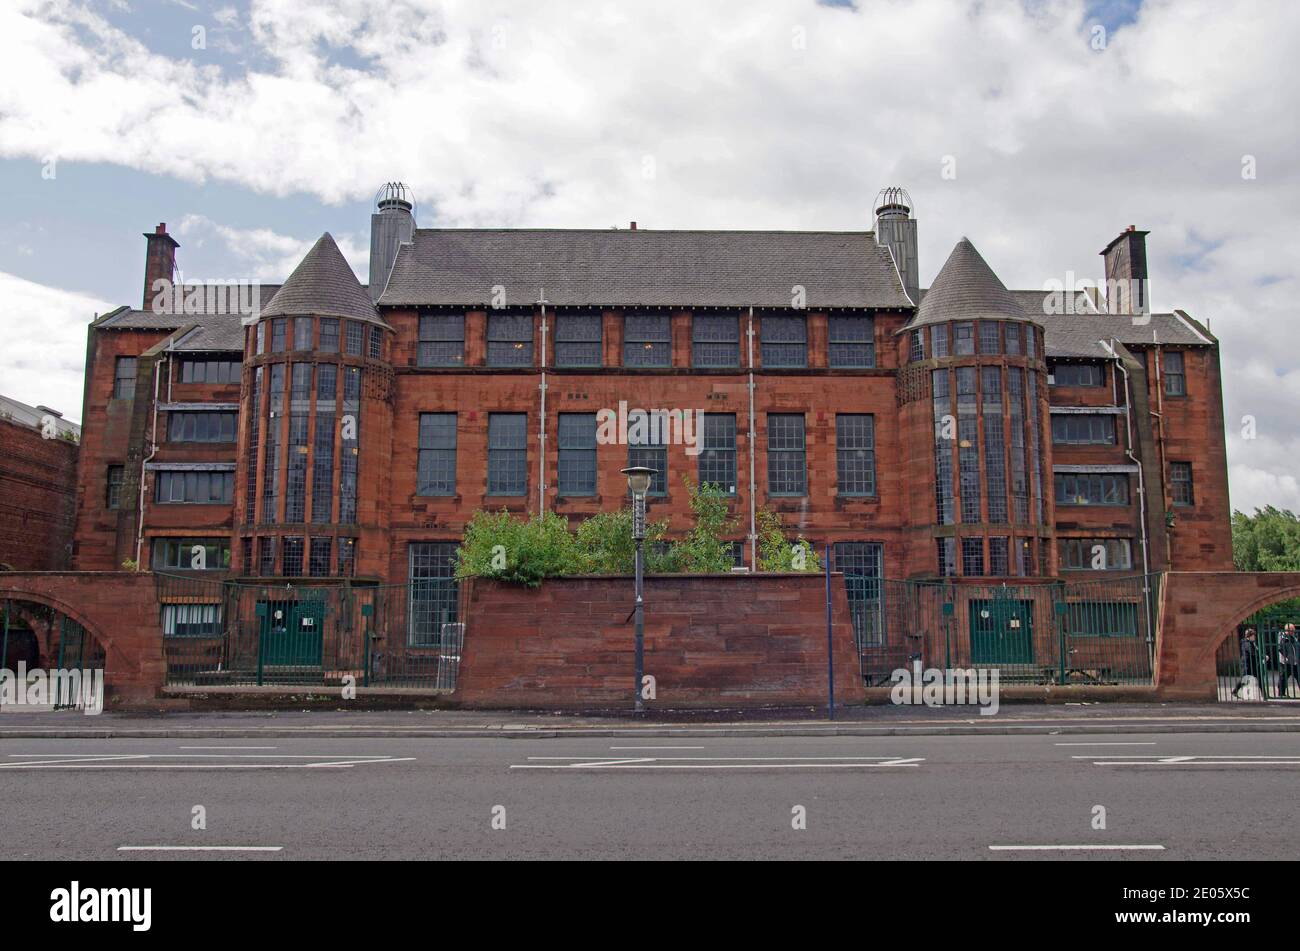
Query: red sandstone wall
x: 38, y: 479
x: 711, y: 641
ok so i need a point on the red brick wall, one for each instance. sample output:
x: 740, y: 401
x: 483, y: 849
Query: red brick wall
x: 119, y: 610
x: 729, y: 640
x: 38, y: 479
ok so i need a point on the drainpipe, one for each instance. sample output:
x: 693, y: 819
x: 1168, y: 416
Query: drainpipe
x: 753, y: 518
x: 1142, y: 491
x: 541, y: 427
x: 1160, y: 431
x: 153, y: 451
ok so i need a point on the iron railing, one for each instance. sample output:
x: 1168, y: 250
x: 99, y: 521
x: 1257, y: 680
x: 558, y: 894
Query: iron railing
x: 1092, y: 632
x: 221, y: 632
x: 1269, y: 677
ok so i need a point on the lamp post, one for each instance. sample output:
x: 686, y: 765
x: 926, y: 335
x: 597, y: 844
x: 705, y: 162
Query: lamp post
x: 638, y: 481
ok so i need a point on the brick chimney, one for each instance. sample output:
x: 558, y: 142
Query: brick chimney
x: 159, y: 262
x: 1126, y: 273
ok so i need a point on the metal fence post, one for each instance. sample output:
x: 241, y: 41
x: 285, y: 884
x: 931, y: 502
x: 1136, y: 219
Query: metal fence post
x: 830, y: 641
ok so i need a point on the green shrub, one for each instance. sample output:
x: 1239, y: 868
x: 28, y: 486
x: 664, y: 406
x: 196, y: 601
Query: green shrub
x: 776, y: 552
x: 703, y: 549
x: 521, y: 551
x: 606, y: 547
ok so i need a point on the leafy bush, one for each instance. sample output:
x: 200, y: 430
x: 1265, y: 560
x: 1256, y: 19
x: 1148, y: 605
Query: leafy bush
x: 522, y: 551
x: 606, y: 547
x: 776, y: 552
x: 703, y: 549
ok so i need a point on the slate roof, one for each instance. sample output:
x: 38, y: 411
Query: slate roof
x: 215, y: 331
x: 323, y: 284
x: 617, y: 267
x: 1079, y: 334
x: 967, y: 289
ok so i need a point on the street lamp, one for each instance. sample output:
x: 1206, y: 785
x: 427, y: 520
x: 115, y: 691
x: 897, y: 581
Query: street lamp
x: 638, y: 481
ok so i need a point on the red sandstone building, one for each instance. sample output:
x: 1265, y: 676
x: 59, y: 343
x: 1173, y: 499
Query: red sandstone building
x: 964, y: 430
x: 38, y: 480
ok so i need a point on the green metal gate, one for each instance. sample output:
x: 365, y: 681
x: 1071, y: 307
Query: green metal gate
x: 1270, y: 676
x: 1089, y: 632
x: 228, y: 633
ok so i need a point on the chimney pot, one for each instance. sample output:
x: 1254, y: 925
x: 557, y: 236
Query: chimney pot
x: 634, y: 226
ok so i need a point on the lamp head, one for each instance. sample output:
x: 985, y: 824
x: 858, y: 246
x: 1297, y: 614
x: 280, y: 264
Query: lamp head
x: 638, y: 479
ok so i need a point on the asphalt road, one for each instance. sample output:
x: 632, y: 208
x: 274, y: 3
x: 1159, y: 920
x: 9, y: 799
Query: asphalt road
x: 1185, y: 796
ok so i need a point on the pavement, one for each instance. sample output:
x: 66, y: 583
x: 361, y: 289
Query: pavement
x: 1109, y: 797
x: 860, y: 721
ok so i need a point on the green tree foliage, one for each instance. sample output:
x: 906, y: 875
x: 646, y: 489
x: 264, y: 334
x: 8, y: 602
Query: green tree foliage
x: 606, y: 547
x: 1269, y: 540
x: 522, y: 551
x: 703, y: 549
x: 776, y: 552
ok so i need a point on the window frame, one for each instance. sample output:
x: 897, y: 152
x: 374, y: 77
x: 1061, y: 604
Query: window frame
x: 430, y: 456
x: 782, y: 454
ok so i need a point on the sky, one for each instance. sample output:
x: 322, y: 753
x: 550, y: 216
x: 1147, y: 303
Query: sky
x: 1037, y: 128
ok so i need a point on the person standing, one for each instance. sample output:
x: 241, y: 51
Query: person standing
x: 1288, y: 658
x: 1249, y: 661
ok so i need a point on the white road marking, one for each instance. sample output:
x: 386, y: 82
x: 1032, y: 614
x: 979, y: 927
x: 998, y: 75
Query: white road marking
x: 721, y: 762
x: 227, y: 747
x: 200, y: 848
x: 150, y: 761
x: 656, y: 747
x: 1076, y: 848
x: 1152, y: 743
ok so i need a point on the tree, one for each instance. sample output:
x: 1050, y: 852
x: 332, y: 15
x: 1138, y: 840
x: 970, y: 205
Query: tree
x: 1269, y: 540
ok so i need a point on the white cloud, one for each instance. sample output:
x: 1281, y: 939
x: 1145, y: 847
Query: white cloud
x: 44, y: 332
x: 751, y: 113
x: 263, y: 254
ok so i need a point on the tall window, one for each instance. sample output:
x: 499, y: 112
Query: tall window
x: 1013, y: 339
x: 350, y: 445
x: 1175, y: 379
x: 322, y: 479
x: 376, y: 342
x: 647, y: 340
x: 278, y: 329
x: 990, y: 337
x: 653, y: 454
x: 972, y: 557
x: 855, y: 453
x: 507, y: 454
x: 939, y: 340
x: 577, y: 460
x: 718, y: 455
x: 998, y: 556
x: 946, y: 553
x: 113, y: 488
x: 715, y: 340
x: 271, y: 464
x: 1180, y: 477
x: 433, y: 591
x: 318, y: 556
x: 291, y: 556
x: 266, y: 555
x: 352, y: 340
x: 347, y: 557
x: 862, y: 564
x: 577, y: 340
x: 963, y: 339
x: 787, y: 471
x: 995, y: 446
x: 329, y: 334
x: 852, y: 342
x: 968, y: 450
x: 254, y: 448
x: 436, y: 473
x: 442, y: 340
x: 943, y: 439
x: 916, y: 346
x: 510, y: 340
x: 124, y: 378
x: 295, y: 495
x: 1016, y: 418
x: 302, y: 333
x: 1083, y: 429
x: 785, y: 341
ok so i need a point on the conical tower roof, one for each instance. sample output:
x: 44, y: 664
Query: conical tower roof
x: 324, y: 285
x: 967, y: 289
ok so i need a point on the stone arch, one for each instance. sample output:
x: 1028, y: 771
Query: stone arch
x: 93, y: 630
x: 1241, y: 615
